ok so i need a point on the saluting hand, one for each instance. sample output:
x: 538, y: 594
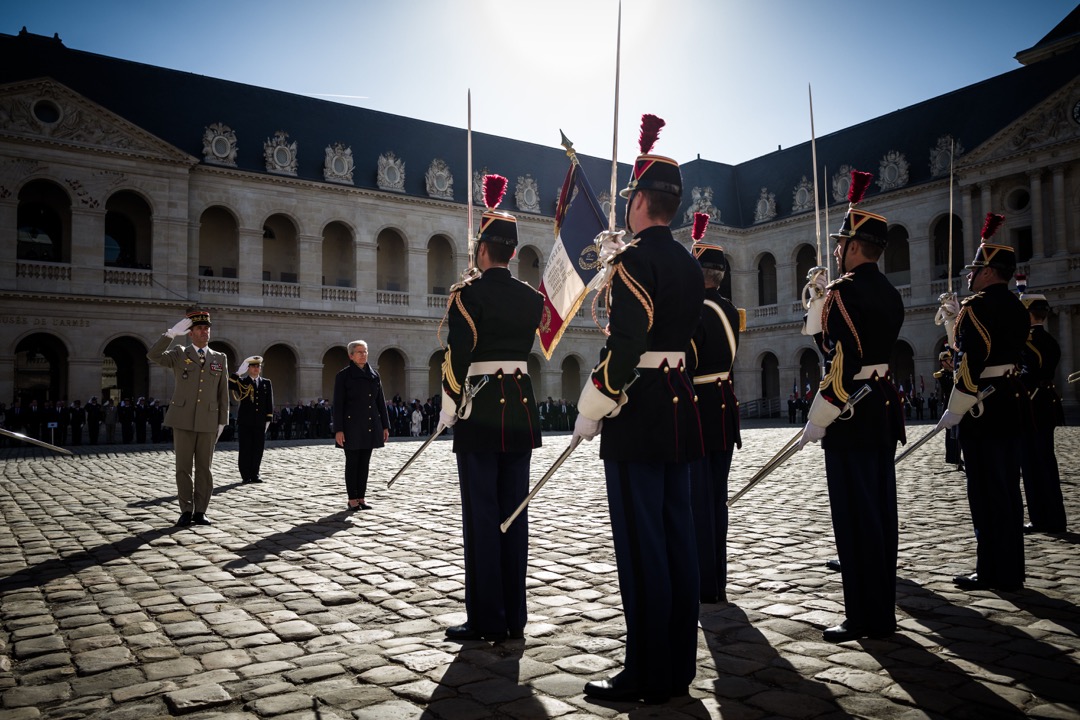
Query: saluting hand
x: 180, y: 328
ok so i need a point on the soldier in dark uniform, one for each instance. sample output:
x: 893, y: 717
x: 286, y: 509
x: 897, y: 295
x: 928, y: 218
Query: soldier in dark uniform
x: 78, y: 419
x: 642, y: 398
x: 711, y: 361
x: 142, y: 415
x: 255, y: 396
x: 944, y: 377
x: 198, y: 412
x: 492, y: 323
x: 93, y: 419
x: 859, y: 321
x: 1038, y: 461
x: 155, y: 415
x: 991, y: 330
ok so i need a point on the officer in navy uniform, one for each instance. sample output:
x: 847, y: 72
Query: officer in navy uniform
x: 856, y: 324
x: 255, y: 396
x: 1038, y: 461
x: 640, y: 398
x: 487, y: 392
x: 198, y: 412
x: 711, y: 361
x: 991, y: 330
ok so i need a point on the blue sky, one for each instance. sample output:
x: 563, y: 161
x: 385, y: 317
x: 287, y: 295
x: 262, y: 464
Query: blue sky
x: 729, y: 76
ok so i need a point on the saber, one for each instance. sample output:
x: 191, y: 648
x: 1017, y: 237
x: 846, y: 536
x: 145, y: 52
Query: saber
x: 792, y: 446
x: 952, y: 148
x: 923, y: 440
x: 34, y: 441
x: 1074, y: 377
x: 574, y: 442
x: 615, y: 132
x: 813, y: 159
x: 469, y: 202
x: 438, y: 431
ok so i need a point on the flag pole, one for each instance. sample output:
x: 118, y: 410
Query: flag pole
x: 615, y: 131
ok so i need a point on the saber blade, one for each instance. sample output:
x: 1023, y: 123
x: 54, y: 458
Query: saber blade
x: 438, y: 431
x: 532, y: 493
x: 35, y: 441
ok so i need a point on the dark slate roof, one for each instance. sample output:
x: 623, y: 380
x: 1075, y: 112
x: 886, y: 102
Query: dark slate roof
x: 177, y: 107
x: 1066, y: 29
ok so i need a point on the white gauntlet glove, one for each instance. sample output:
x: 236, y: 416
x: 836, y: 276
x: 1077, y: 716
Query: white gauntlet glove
x: 585, y: 428
x: 946, y: 315
x: 242, y: 369
x: 447, y: 419
x: 814, y: 300
x: 180, y: 328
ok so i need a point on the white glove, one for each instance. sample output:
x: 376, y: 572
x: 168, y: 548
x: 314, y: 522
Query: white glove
x: 219, y: 429
x: 243, y: 368
x: 814, y: 300
x: 585, y: 428
x: 811, y: 433
x: 946, y: 315
x: 180, y: 328
x: 949, y: 420
x: 447, y: 419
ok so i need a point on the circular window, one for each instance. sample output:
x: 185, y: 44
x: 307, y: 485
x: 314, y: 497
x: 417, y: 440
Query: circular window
x: 339, y: 166
x: 802, y: 196
x: 281, y: 156
x: 441, y: 182
x: 46, y: 111
x: 762, y: 207
x: 392, y: 175
x: 843, y: 187
x: 220, y: 146
x: 891, y: 173
x: 1019, y: 199
x: 530, y: 197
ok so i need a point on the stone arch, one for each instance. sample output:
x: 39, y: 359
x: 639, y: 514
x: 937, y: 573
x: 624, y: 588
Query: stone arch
x: 391, y: 368
x: 279, y: 367
x: 41, y: 368
x: 391, y: 265
x: 766, y: 271
x: 43, y: 223
x: 530, y: 266
x: 805, y: 259
x: 334, y: 359
x: 435, y: 373
x: 902, y: 365
x: 571, y: 378
x: 129, y: 231
x: 125, y: 370
x: 770, y: 380
x: 441, y: 268
x: 280, y: 249
x: 219, y: 242
x: 897, y: 256
x: 338, y: 255
x: 809, y: 371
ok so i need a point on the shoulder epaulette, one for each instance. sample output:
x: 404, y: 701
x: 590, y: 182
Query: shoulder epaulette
x: 969, y: 298
x: 837, y: 281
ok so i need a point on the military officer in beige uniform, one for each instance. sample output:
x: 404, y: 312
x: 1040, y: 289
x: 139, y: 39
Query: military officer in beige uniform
x: 198, y: 412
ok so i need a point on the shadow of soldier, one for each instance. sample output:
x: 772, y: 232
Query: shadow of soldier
x: 1025, y: 665
x: 170, y: 499
x: 290, y: 540
x: 485, y: 680
x: 751, y: 675
x: 73, y: 563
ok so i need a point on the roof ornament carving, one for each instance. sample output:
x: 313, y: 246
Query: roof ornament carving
x: 13, y: 172
x: 219, y: 145
x: 91, y: 190
x: 765, y: 209
x: 1051, y: 124
x: 391, y: 175
x: 841, y: 182
x: 280, y: 154
x: 527, y: 194
x: 46, y: 112
x: 939, y: 156
x: 478, y: 186
x: 893, y: 171
x: 701, y: 200
x: 439, y: 180
x: 338, y: 166
x: 802, y: 197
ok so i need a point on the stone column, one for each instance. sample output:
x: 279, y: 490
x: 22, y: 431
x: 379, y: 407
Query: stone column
x: 7, y: 377
x: 971, y: 228
x: 1061, y: 236
x: 9, y: 214
x: 1038, y: 242
x: 921, y: 262
x: 308, y: 381
x: 416, y: 382
x: 87, y: 251
x: 365, y: 274
x: 84, y: 378
x: 251, y: 264
x: 310, y: 270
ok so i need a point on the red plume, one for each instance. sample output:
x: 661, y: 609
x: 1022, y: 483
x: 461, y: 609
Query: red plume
x: 494, y: 189
x: 701, y: 221
x: 650, y: 130
x: 991, y: 224
x: 860, y: 181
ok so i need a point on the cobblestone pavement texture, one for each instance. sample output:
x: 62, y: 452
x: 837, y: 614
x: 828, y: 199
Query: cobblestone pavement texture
x: 289, y: 607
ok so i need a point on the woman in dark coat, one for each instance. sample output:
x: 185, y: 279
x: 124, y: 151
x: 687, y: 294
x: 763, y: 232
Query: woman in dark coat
x: 360, y: 420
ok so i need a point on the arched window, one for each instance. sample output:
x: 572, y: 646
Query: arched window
x: 219, y: 243
x: 440, y: 265
x: 804, y: 262
x: 941, y: 248
x: 898, y: 257
x: 767, y: 280
x: 338, y: 256
x: 44, y: 222
x: 279, y: 250
x: 391, y: 271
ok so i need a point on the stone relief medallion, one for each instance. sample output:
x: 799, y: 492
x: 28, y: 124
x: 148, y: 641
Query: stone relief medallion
x: 527, y: 195
x: 1049, y: 125
x: 939, y: 156
x: 478, y: 186
x: 280, y: 154
x: 765, y: 209
x: 219, y: 145
x: 701, y: 200
x: 802, y: 199
x: 841, y: 183
x: 338, y: 166
x: 892, y: 171
x: 391, y: 175
x: 440, y: 183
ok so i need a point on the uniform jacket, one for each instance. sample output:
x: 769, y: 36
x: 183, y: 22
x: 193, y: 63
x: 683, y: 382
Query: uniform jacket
x: 493, y: 318
x: 256, y: 404
x: 359, y: 407
x: 713, y: 351
x: 992, y: 329
x: 655, y: 298
x: 200, y: 401
x: 860, y: 323
x: 1038, y: 364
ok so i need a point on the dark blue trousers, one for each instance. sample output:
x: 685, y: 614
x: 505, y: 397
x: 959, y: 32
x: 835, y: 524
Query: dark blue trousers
x: 492, y: 486
x: 1042, y: 482
x: 653, y: 532
x: 862, y: 498
x: 997, y: 509
x: 708, y: 493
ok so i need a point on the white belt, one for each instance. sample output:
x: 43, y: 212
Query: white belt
x: 994, y: 371
x: 655, y: 358
x: 492, y: 367
x: 710, y: 379
x: 868, y: 371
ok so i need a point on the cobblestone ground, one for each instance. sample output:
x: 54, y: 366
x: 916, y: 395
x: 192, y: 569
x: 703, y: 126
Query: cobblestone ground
x: 288, y: 607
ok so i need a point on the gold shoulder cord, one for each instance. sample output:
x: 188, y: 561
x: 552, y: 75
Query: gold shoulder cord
x: 835, y: 378
x: 833, y: 298
x: 244, y: 392
x: 638, y: 291
x: 455, y: 299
